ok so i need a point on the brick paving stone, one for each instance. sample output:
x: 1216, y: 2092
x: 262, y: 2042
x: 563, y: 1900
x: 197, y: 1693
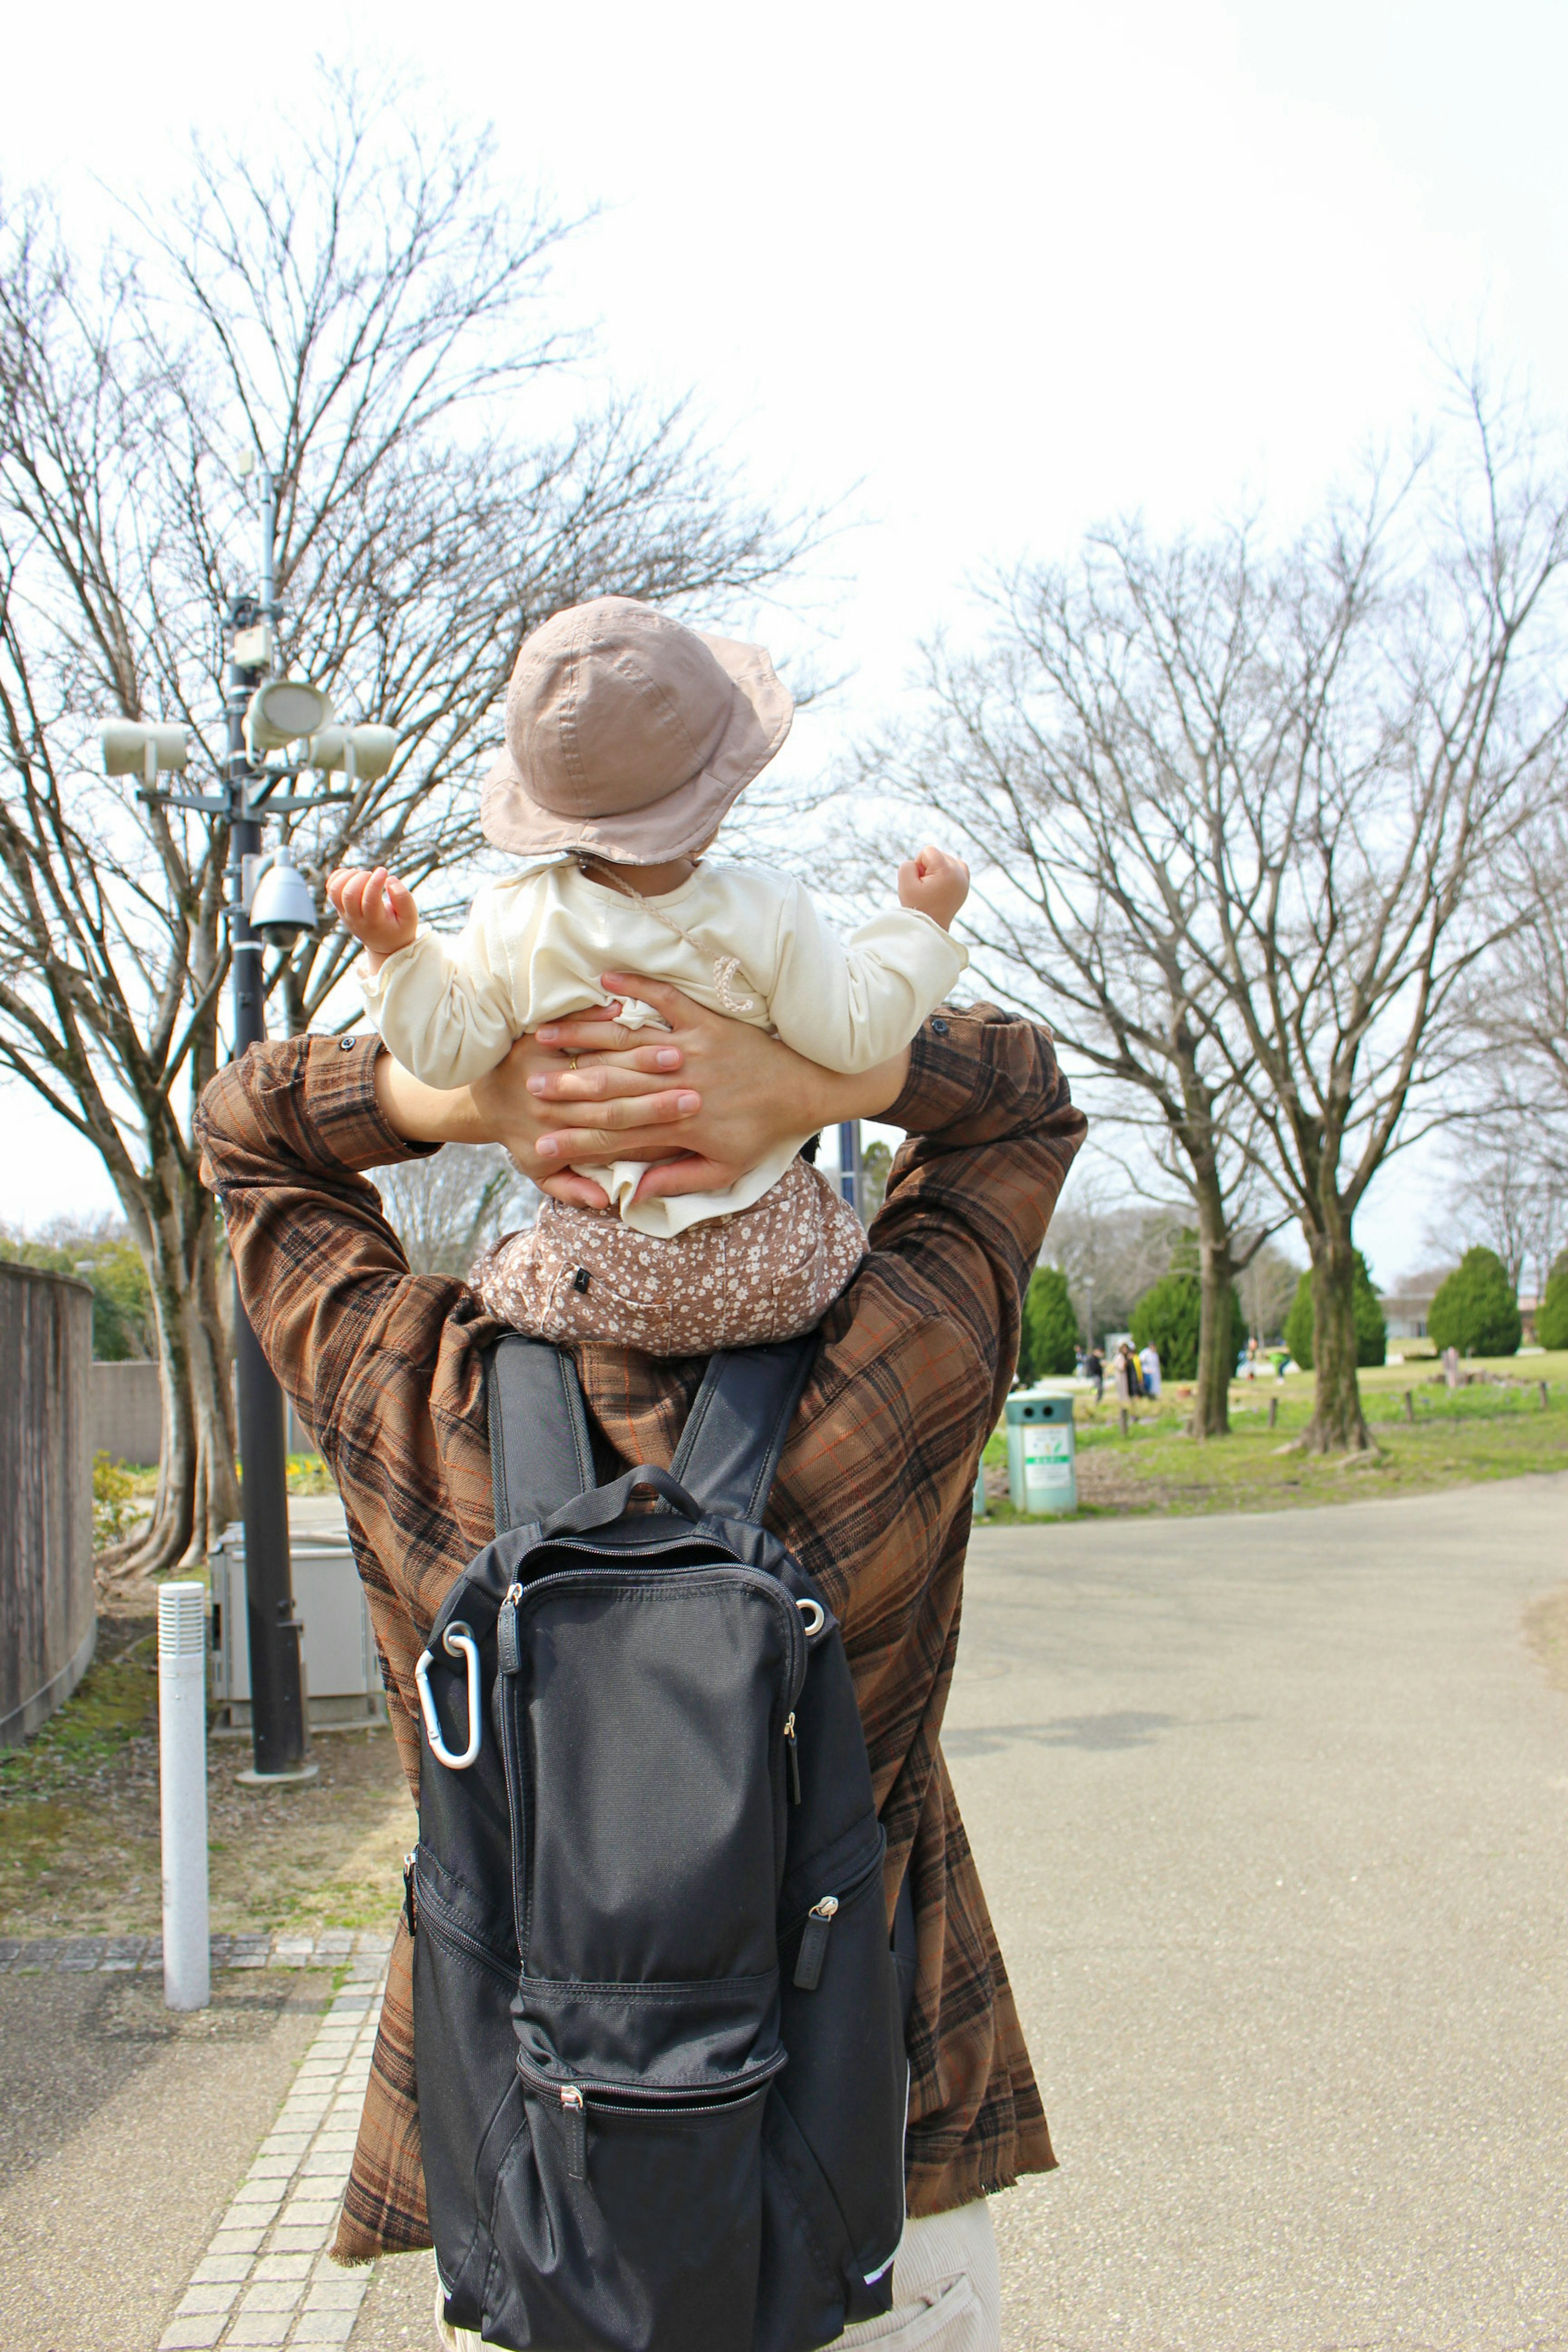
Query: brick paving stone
x: 335, y: 2290
x: 291, y: 2238
x: 222, y: 2270
x: 283, y: 2266
x: 269, y: 2327
x: 193, y: 2335
x: 336, y: 1940
x: 83, y: 1953
x: 11, y: 1950
x: 199, y: 2302
x: 315, y: 2212
x: 325, y: 2326
x: 271, y: 2295
x: 41, y: 1955
x: 232, y: 2238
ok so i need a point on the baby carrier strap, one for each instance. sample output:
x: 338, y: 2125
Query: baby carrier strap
x: 541, y: 1453
x: 736, y: 1429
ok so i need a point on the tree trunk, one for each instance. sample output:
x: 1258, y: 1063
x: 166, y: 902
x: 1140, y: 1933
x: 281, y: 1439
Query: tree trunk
x: 1216, y: 1274
x: 1338, y: 1425
x: 198, y: 1483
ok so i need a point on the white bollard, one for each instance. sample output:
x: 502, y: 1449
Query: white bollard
x: 183, y: 1793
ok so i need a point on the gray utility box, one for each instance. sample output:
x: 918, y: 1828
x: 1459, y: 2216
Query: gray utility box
x: 342, y: 1677
x: 1041, y: 1475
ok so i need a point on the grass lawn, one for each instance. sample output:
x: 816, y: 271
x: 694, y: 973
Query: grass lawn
x: 79, y: 1817
x: 1482, y: 1431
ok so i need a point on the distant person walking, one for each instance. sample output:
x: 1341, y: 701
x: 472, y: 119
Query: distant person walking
x: 1451, y: 1366
x: 1094, y: 1370
x: 1149, y: 1363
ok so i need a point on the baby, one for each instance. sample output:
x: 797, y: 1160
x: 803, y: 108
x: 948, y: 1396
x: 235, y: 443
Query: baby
x: 627, y: 737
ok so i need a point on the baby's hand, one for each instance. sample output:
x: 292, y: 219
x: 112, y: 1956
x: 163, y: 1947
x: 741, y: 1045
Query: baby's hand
x: 376, y: 909
x: 933, y: 884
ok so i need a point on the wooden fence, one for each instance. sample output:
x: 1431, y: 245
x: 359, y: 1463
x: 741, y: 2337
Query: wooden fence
x: 47, y: 1615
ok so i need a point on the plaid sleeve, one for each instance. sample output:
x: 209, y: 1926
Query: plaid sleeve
x: 382, y: 1363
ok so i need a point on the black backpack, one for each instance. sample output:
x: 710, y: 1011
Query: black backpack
x: 658, y: 2027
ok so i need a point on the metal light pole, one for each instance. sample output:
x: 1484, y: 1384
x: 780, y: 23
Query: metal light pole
x: 270, y: 901
x: 849, y: 1163
x: 277, y: 1694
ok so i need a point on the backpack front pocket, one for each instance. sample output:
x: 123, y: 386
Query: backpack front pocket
x: 629, y: 2218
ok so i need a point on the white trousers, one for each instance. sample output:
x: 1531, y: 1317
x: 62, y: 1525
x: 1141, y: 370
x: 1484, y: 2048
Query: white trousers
x: 947, y: 2292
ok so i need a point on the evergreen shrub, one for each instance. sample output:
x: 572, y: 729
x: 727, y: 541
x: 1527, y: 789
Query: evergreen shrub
x: 1047, y: 1345
x: 1475, y: 1310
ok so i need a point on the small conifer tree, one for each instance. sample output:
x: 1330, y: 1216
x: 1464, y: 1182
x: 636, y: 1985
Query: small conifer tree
x: 1475, y: 1310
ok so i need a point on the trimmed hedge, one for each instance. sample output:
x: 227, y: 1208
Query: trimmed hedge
x: 1048, y: 1342
x: 1475, y: 1310
x: 1552, y: 1315
x: 1169, y: 1314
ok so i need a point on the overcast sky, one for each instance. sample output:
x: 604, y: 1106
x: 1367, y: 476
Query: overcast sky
x: 990, y: 273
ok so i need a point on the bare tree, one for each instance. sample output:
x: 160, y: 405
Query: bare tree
x: 1403, y: 708
x: 1513, y: 1196
x: 446, y: 1208
x: 365, y: 310
x: 1038, y: 752
x: 1239, y: 815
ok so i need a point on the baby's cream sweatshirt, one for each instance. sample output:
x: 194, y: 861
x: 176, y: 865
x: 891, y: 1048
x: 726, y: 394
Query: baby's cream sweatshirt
x: 741, y: 940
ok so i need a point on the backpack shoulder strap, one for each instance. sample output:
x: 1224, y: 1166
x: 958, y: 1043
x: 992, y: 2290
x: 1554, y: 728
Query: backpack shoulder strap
x: 731, y: 1445
x: 541, y: 1453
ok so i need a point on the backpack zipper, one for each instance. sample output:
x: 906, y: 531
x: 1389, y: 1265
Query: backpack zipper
x: 814, y: 1943
x: 793, y: 1744
x: 508, y: 1657
x: 576, y: 2132
x: 520, y: 1805
x: 686, y: 2098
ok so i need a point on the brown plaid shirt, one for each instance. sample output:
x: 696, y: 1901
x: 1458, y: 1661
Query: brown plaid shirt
x: 873, y: 1493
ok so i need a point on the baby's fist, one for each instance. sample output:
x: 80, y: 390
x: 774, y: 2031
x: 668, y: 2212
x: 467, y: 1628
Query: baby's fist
x: 933, y: 884
x: 376, y: 908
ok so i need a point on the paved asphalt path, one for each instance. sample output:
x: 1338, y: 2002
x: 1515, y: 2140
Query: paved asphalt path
x: 123, y: 2131
x: 1273, y: 1817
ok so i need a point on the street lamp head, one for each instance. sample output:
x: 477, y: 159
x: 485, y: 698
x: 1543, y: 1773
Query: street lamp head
x: 131, y: 749
x: 365, y: 753
x: 283, y: 710
x: 281, y: 907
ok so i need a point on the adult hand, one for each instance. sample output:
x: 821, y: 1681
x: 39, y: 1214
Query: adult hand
x: 750, y: 1093
x: 632, y: 1082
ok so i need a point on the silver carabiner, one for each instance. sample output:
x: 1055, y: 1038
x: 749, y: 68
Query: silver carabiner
x: 457, y: 1639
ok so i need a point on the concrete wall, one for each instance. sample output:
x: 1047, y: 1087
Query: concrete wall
x: 47, y: 1615
x: 127, y: 1411
x: 128, y: 1415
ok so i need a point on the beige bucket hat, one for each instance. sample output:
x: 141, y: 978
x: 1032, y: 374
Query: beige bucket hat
x: 628, y: 734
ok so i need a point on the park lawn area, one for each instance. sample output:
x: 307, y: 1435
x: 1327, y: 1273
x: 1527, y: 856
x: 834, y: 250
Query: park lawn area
x: 1483, y: 1431
x: 79, y: 1831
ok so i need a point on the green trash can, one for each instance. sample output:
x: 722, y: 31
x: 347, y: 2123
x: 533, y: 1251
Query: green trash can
x: 1040, y: 1472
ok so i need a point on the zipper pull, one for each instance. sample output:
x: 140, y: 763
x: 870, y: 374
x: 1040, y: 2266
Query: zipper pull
x: 814, y: 1943
x: 507, y: 1656
x: 576, y: 2132
x: 794, y: 1747
x: 410, y: 1908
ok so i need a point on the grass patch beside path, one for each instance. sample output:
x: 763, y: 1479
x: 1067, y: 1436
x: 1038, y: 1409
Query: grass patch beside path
x: 79, y: 1817
x: 1458, y: 1437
